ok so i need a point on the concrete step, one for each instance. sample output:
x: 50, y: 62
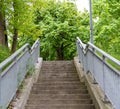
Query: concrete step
x: 58, y: 75
x: 59, y: 87
x: 58, y: 79
x: 37, y: 86
x: 53, y: 102
x: 59, y: 82
x: 57, y: 106
x: 63, y: 91
x: 54, y: 71
x: 58, y: 96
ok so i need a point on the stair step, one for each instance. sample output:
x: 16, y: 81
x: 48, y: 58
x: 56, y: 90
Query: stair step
x: 58, y: 87
x: 60, y: 96
x: 57, y: 106
x: 58, y: 76
x: 65, y: 91
x: 58, y: 71
x: 53, y: 102
x: 59, y: 82
x: 43, y: 80
x: 36, y: 86
x: 58, y: 79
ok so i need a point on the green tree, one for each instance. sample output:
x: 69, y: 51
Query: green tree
x: 19, y: 17
x: 60, y: 23
x: 107, y: 28
x: 3, y: 34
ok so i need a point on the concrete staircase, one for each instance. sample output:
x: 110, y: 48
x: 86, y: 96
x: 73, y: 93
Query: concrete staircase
x: 59, y: 87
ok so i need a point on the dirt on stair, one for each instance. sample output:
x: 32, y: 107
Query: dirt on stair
x: 59, y: 87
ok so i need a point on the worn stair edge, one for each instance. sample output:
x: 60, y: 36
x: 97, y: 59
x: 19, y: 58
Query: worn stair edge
x: 72, y: 106
x: 21, y: 102
x: 35, y: 86
x: 94, y: 90
x: 57, y: 101
x: 61, y: 96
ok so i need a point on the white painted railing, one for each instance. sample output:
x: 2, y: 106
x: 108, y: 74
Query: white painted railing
x: 99, y: 64
x: 14, y: 69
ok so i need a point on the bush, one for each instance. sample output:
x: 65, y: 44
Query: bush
x: 4, y: 53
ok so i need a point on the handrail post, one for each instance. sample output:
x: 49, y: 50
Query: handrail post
x: 78, y: 51
x: 105, y: 99
x: 38, y: 49
x: 94, y: 80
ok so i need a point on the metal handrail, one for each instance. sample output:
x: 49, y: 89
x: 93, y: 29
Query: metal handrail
x: 85, y: 47
x: 14, y: 55
x: 107, y: 76
x: 106, y: 55
x: 14, y: 69
x: 34, y: 45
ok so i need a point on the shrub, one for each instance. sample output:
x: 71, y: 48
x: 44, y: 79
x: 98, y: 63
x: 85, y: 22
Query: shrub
x: 4, y: 53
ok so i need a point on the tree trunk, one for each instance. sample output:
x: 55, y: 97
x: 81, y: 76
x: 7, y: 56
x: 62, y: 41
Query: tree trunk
x: 14, y: 43
x: 15, y: 34
x: 6, y: 37
x: 60, y: 55
x: 2, y: 35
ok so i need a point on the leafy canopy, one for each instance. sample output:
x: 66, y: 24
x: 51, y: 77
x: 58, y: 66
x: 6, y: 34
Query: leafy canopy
x: 60, y: 23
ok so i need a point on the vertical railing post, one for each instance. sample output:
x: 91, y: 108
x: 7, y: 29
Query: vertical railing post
x: 38, y: 49
x: 78, y: 51
x: 86, y: 59
x: 94, y: 80
x: 105, y: 99
x: 86, y: 63
x: 103, y: 70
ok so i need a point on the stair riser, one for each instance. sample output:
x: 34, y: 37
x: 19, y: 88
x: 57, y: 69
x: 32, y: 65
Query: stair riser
x: 60, y: 102
x: 62, y: 107
x: 53, y: 87
x: 61, y: 96
x: 58, y: 71
x: 59, y: 82
x: 59, y: 92
x: 58, y: 76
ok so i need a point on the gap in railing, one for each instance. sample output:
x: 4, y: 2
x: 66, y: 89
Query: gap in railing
x: 108, y: 61
x: 11, y: 63
x: 112, y: 64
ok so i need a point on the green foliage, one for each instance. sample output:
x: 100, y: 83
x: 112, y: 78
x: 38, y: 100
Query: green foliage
x: 4, y: 53
x: 60, y: 23
x: 107, y: 28
x: 19, y: 15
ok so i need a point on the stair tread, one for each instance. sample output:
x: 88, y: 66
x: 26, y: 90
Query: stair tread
x: 70, y: 106
x: 36, y: 101
x: 60, y: 96
x: 58, y: 87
